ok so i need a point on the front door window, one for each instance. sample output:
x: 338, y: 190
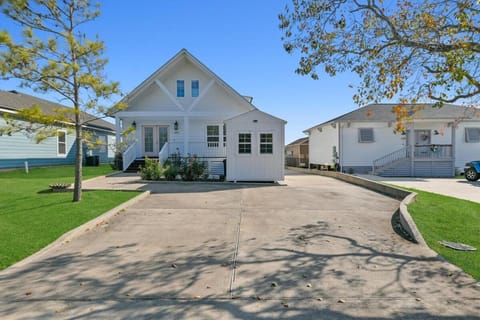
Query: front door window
x: 422, y: 143
x: 148, y: 139
x: 154, y: 138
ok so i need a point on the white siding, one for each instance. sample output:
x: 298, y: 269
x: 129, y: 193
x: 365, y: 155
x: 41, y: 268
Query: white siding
x: 321, y: 144
x: 465, y: 151
x: 255, y: 166
x: 355, y: 153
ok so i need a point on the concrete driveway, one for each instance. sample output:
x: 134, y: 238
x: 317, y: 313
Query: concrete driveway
x: 457, y: 188
x: 316, y: 248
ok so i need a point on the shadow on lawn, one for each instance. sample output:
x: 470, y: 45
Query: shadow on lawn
x: 271, y: 282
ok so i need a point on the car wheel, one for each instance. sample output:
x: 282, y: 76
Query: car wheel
x: 471, y: 174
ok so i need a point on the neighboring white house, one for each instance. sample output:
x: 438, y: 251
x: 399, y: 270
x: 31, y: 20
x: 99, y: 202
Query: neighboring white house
x: 182, y: 108
x: 437, y: 143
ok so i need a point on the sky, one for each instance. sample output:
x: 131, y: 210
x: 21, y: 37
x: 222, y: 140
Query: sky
x: 238, y: 40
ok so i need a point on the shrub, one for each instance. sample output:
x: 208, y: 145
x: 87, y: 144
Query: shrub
x: 170, y: 172
x: 117, y: 162
x: 192, y: 170
x: 152, y: 170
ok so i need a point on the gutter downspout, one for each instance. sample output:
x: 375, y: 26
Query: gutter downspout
x: 454, y: 131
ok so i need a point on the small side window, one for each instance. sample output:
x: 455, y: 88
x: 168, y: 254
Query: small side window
x: 61, y: 143
x: 365, y: 135
x: 266, y: 143
x: 472, y: 134
x: 213, y: 136
x: 244, y: 143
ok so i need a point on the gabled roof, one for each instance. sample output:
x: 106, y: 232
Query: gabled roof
x: 257, y: 111
x: 383, y: 113
x: 298, y: 141
x: 15, y: 101
x: 185, y: 54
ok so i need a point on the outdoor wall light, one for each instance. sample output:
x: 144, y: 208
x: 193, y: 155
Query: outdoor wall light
x: 175, y: 126
x: 134, y: 124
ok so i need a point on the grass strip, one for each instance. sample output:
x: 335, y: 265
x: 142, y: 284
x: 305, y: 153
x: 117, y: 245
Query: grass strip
x: 31, y: 216
x: 440, y: 217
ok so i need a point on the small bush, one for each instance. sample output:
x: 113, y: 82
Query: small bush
x: 117, y: 162
x: 152, y: 170
x: 170, y: 172
x: 192, y: 170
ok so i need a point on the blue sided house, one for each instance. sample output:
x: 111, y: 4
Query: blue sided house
x: 18, y: 148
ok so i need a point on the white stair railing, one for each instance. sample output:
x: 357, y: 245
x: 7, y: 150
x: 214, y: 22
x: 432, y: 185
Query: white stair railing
x: 129, y: 155
x: 163, y: 154
x: 390, y: 158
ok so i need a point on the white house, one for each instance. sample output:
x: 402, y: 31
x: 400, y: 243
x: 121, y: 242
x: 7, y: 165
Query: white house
x: 182, y: 109
x: 255, y: 143
x: 437, y: 143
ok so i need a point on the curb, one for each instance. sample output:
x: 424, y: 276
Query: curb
x: 405, y: 197
x: 89, y: 225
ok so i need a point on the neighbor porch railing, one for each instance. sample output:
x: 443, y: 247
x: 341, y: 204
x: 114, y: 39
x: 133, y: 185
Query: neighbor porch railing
x: 433, y: 151
x: 420, y: 152
x: 129, y: 155
x: 390, y: 158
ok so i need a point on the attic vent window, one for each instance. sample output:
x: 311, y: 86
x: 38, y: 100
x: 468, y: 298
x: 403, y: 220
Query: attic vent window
x: 472, y: 134
x: 365, y: 135
x: 180, y: 88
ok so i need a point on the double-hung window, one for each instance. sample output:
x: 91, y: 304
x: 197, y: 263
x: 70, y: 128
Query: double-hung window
x: 472, y: 134
x: 180, y: 88
x: 266, y: 143
x: 195, y: 88
x: 244, y: 143
x: 213, y: 136
x: 61, y: 143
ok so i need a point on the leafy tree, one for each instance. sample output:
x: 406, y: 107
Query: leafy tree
x: 56, y: 56
x: 416, y: 50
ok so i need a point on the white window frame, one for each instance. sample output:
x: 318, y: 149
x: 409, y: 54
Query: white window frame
x: 197, y: 92
x: 102, y: 147
x: 245, y: 143
x: 58, y: 143
x: 213, y: 144
x: 260, y: 143
x: 178, y: 87
x: 360, y: 136
x: 469, y: 138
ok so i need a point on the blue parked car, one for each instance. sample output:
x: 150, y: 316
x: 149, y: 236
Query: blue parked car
x: 472, y: 170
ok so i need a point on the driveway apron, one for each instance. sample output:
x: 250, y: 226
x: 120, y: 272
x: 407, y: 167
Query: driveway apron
x: 315, y: 248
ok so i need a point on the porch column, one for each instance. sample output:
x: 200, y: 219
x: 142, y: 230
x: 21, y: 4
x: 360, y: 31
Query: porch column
x: 186, y: 133
x: 118, y: 130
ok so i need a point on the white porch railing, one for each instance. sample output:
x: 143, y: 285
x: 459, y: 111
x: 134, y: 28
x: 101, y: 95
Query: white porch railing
x: 390, y: 158
x: 164, y: 153
x: 129, y: 155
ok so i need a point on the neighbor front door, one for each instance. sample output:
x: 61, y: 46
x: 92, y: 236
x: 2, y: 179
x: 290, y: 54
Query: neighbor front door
x: 154, y: 137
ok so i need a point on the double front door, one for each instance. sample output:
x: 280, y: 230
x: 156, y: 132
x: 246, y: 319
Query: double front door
x: 154, y: 137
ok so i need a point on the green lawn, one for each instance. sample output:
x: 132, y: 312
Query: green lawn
x: 445, y: 218
x: 31, y: 216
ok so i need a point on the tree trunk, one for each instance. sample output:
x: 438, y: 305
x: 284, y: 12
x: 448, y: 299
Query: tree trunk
x: 77, y: 191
